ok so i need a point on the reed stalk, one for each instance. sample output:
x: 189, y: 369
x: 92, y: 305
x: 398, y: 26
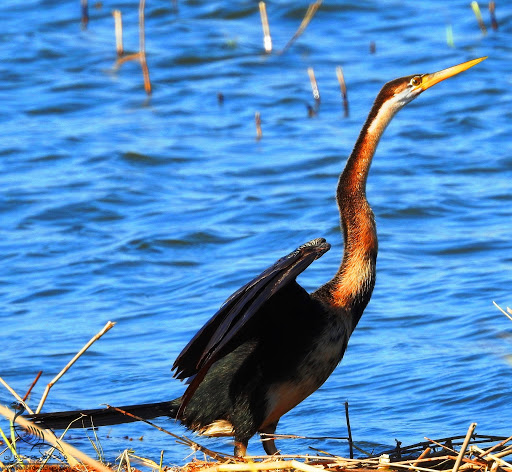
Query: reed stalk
x: 118, y: 26
x: 310, y: 13
x: 267, y: 39
x: 478, y: 14
x: 343, y: 89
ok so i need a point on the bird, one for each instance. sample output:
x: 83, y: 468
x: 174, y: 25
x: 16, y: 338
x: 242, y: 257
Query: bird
x: 272, y: 344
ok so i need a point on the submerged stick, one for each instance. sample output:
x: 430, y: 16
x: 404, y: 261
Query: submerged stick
x: 310, y: 13
x: 106, y: 328
x: 142, y: 49
x: 118, y: 25
x: 343, y: 88
x: 267, y: 39
x: 492, y: 11
x: 464, y: 447
x: 478, y: 14
x: 257, y: 120
x: 85, y: 13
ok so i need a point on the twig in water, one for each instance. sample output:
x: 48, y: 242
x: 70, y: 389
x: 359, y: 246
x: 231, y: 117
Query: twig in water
x: 142, y: 49
x: 15, y: 395
x: 464, y: 447
x: 503, y: 311
x: 118, y: 25
x: 85, y: 13
x: 106, y: 328
x: 478, y: 14
x: 267, y: 39
x: 343, y: 88
x: 310, y: 13
x: 257, y: 120
x: 32, y: 386
x: 314, y: 87
x: 492, y: 11
x: 349, y: 429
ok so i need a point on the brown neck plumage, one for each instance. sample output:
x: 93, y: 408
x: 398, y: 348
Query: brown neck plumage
x: 352, y: 286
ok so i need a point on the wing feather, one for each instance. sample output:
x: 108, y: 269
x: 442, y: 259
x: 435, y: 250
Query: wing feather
x: 214, y: 339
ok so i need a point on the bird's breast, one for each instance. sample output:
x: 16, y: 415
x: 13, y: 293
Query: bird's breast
x: 314, y: 369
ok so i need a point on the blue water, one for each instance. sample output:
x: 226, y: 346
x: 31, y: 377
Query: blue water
x: 150, y: 211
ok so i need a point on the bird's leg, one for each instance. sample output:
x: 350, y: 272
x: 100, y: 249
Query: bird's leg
x: 240, y: 447
x: 268, y: 443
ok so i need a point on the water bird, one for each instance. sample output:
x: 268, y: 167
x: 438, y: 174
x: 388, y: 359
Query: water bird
x: 272, y: 344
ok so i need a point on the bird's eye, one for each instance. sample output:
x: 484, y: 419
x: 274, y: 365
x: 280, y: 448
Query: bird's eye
x: 416, y: 80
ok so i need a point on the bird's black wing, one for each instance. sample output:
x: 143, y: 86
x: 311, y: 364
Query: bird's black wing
x: 207, y: 345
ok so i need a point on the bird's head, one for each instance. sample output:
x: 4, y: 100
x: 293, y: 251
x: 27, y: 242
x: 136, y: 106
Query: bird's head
x: 400, y: 92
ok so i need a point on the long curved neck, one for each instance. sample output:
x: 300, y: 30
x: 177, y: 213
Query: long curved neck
x: 352, y: 286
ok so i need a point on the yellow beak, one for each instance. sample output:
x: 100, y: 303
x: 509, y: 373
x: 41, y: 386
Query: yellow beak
x: 431, y: 79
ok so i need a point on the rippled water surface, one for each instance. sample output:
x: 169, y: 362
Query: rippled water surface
x: 151, y: 211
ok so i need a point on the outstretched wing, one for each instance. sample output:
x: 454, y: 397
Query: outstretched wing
x: 207, y: 345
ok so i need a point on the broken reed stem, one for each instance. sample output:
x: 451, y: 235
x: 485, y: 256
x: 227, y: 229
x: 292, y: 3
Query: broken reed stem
x: 310, y: 13
x: 142, y: 48
x: 478, y: 14
x: 267, y: 39
x: 32, y: 386
x: 15, y: 395
x: 492, y: 11
x: 314, y: 85
x: 106, y: 328
x: 257, y: 120
x: 343, y: 89
x: 502, y: 310
x: 118, y: 25
x: 464, y: 447
x: 85, y: 13
x: 66, y: 449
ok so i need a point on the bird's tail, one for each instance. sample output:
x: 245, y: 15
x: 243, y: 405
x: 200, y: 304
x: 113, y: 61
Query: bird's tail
x: 104, y: 416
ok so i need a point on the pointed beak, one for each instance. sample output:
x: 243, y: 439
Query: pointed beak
x: 431, y: 79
